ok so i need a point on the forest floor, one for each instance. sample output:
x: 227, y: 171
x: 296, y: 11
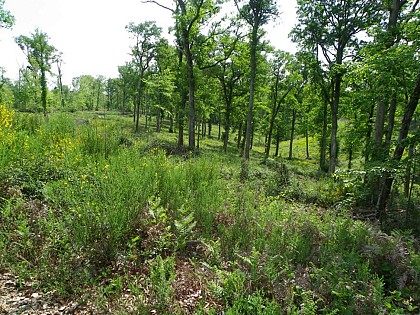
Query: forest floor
x: 22, y: 298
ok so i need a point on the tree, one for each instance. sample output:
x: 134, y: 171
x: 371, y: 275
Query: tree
x: 6, y: 18
x: 59, y: 62
x: 146, y: 35
x: 40, y: 55
x: 188, y: 15
x: 256, y: 13
x: 278, y: 92
x: 411, y: 41
x: 332, y: 26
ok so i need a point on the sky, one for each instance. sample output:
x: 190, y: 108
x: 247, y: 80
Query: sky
x: 91, y: 34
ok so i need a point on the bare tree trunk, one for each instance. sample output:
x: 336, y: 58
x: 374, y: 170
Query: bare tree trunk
x: 239, y: 135
x: 226, y: 128
x: 60, y: 83
x: 181, y: 118
x: 292, y: 134
x: 44, y: 92
x: 379, y: 130
x: 369, y: 134
x: 334, y: 124
x: 391, y: 120
x: 277, y: 141
x: 399, y: 149
x: 253, y: 66
x: 307, y: 141
x: 191, y: 97
x: 323, y: 144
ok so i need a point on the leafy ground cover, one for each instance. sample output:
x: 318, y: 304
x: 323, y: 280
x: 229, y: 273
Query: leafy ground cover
x: 120, y: 223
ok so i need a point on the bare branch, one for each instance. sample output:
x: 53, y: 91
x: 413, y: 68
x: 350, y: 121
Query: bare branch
x: 161, y: 5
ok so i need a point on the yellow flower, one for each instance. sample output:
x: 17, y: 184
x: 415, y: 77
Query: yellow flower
x: 6, y: 119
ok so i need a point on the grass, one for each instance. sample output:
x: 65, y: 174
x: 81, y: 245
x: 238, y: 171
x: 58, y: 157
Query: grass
x: 96, y: 213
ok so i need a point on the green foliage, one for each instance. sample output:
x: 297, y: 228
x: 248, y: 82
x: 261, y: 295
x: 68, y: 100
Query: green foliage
x: 6, y: 19
x: 73, y: 217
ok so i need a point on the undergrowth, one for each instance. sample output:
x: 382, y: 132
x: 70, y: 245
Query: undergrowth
x: 90, y: 205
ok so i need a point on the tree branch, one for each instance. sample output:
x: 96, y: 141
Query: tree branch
x: 161, y: 5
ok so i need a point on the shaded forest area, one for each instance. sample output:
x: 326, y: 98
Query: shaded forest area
x: 218, y: 175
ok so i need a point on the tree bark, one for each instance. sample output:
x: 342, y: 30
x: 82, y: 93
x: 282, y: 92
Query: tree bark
x: 323, y: 144
x: 253, y: 66
x: 391, y: 120
x: 399, y: 149
x: 334, y: 121
x: 292, y: 134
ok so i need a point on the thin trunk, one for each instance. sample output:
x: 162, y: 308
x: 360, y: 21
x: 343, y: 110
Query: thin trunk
x: 269, y: 136
x: 349, y: 166
x: 60, y: 84
x: 219, y: 125
x: 191, y: 97
x: 274, y: 112
x: 408, y: 170
x: 399, y: 150
x: 139, y: 96
x: 277, y: 142
x: 292, y: 134
x: 369, y: 134
x: 252, y: 137
x: 391, y: 120
x: 158, y: 120
x: 181, y: 114
x: 209, y: 128
x: 171, y: 124
x: 307, y: 141
x: 253, y: 66
x: 334, y: 124
x: 181, y: 110
x: 239, y: 135
x: 226, y: 128
x: 44, y: 92
x: 379, y: 130
x: 323, y: 144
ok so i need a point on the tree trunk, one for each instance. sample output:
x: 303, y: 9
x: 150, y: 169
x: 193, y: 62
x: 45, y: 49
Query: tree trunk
x: 253, y: 66
x: 391, y: 120
x: 292, y: 134
x: 307, y: 141
x: 44, y: 92
x: 191, y: 91
x: 399, y: 150
x: 277, y: 141
x: 323, y: 143
x: 369, y: 134
x: 158, y: 120
x: 269, y: 136
x: 239, y: 135
x: 219, y: 123
x: 181, y: 114
x: 408, y: 170
x: 209, y: 128
x: 60, y: 84
x: 334, y: 124
x: 139, y: 96
x: 171, y: 124
x: 379, y: 130
x: 226, y: 128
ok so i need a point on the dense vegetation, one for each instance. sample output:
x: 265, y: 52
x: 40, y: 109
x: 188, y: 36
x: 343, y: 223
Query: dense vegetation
x: 87, y: 204
x: 101, y: 200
